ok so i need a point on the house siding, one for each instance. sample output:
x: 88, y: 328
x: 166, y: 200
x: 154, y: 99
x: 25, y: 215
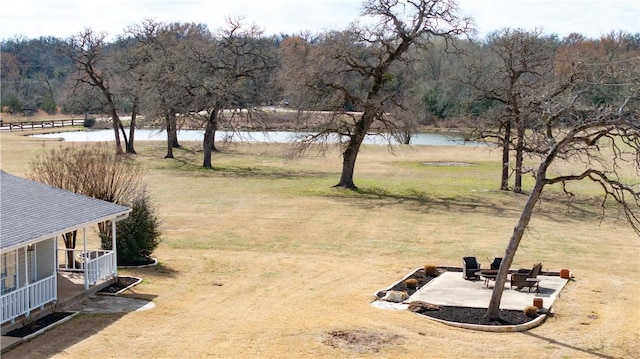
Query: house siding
x: 21, y: 269
x: 45, y: 257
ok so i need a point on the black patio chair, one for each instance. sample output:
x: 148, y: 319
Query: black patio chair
x: 470, y: 266
x: 496, y: 263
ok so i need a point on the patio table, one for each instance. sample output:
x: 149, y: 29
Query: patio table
x: 488, y: 275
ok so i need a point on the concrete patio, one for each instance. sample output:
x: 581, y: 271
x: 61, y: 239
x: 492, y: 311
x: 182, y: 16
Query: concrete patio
x: 451, y: 289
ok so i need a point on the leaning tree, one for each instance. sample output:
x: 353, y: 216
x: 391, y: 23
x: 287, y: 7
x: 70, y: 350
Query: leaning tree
x: 603, y: 137
x: 88, y: 51
x: 361, y: 69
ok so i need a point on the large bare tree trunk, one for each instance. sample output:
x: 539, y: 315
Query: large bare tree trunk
x: 116, y: 130
x: 350, y: 154
x: 517, y: 186
x: 209, y: 136
x: 349, y: 157
x: 70, y: 243
x: 132, y: 127
x: 493, y: 312
x: 504, y: 179
x: 170, y: 135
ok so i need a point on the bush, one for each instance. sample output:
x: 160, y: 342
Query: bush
x: 530, y: 311
x: 138, y: 235
x: 411, y: 283
x: 430, y: 270
x: 89, y: 122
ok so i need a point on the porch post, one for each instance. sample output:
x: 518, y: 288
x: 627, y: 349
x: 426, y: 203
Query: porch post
x: 55, y: 267
x: 26, y: 280
x: 84, y: 258
x: 114, y: 248
x: 26, y: 268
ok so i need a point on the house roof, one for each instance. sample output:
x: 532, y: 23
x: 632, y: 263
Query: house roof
x: 31, y: 211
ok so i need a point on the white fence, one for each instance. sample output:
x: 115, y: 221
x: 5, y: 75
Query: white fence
x: 24, y: 300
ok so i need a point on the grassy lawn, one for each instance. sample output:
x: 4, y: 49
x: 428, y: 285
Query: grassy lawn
x: 298, y: 259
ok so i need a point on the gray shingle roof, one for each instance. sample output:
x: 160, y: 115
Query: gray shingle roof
x: 33, y: 211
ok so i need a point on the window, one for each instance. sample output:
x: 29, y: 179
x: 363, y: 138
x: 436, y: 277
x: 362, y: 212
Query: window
x: 8, y: 273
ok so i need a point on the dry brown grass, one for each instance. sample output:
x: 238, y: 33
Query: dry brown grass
x: 299, y: 261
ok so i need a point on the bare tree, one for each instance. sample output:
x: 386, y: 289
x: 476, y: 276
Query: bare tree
x: 619, y: 134
x: 359, y: 69
x: 130, y: 60
x: 87, y: 50
x: 509, y: 74
x: 231, y: 65
x: 91, y: 170
x: 170, y: 78
x: 570, y: 125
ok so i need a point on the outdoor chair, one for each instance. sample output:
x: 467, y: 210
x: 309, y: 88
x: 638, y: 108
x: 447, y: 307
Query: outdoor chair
x: 495, y: 265
x: 526, y: 278
x: 470, y: 266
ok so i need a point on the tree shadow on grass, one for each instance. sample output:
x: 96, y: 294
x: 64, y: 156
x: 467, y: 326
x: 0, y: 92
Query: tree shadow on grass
x: 159, y: 270
x: 56, y: 340
x: 419, y: 201
x: 553, y: 207
x: 555, y: 342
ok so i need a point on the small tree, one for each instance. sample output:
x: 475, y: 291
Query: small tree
x: 91, y: 170
x: 138, y: 234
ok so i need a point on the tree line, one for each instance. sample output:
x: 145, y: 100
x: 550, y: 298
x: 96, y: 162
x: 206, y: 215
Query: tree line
x: 531, y: 95
x: 412, y: 68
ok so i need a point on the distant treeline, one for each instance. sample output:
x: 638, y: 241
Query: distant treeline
x: 37, y: 76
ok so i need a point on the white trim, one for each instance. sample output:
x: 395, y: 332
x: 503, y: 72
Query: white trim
x: 114, y: 248
x: 115, y: 218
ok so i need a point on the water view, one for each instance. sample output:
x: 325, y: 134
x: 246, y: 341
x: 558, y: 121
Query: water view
x: 433, y: 139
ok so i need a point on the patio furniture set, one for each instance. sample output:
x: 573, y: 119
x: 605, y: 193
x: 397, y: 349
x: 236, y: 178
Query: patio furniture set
x: 523, y: 278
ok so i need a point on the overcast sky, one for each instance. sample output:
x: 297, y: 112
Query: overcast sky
x: 63, y: 18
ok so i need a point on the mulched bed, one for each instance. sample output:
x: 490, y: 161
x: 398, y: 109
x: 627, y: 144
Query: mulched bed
x: 36, y: 325
x: 122, y: 283
x: 476, y: 316
x: 459, y: 314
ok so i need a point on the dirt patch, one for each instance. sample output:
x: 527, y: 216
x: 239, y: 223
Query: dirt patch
x: 361, y: 341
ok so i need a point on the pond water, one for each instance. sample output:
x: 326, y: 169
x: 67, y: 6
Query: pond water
x: 433, y: 139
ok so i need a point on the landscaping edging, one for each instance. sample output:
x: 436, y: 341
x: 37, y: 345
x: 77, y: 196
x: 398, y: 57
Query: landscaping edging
x: 493, y: 328
x: 481, y: 326
x: 18, y: 340
x: 138, y: 281
x: 35, y: 334
x: 155, y: 263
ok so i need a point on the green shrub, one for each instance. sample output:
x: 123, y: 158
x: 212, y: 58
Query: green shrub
x: 138, y: 235
x: 430, y: 270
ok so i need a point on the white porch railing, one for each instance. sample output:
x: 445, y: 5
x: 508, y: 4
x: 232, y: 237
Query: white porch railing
x: 100, y: 265
x: 70, y: 260
x: 96, y: 264
x: 24, y: 300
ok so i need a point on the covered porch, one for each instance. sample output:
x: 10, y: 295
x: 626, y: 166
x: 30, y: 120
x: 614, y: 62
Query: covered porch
x: 28, y: 286
x: 42, y: 266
